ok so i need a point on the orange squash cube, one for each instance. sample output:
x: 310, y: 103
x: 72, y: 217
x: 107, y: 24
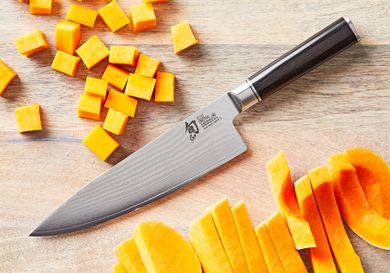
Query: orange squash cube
x: 120, y: 102
x: 124, y: 55
x: 113, y: 16
x: 29, y: 118
x: 165, y: 87
x: 116, y: 76
x: 147, y: 66
x: 65, y: 63
x: 100, y: 142
x: 40, y: 6
x: 115, y: 122
x: 142, y: 17
x: 92, y: 52
x: 31, y: 43
x: 68, y: 36
x: 182, y: 36
x: 82, y: 15
x: 96, y: 87
x: 140, y: 86
x: 6, y: 76
x: 89, y: 107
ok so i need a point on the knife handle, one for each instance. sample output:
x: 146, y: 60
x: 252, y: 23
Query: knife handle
x: 314, y: 51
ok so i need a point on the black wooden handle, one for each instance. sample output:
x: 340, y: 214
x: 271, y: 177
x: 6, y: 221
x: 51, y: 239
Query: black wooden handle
x: 316, y: 50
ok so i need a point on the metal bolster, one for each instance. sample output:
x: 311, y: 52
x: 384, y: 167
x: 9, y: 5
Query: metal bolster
x: 245, y: 96
x: 352, y: 26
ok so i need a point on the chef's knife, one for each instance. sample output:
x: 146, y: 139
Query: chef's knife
x: 198, y: 144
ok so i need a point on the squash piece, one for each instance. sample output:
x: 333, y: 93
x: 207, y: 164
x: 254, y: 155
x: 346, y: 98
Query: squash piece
x: 96, y: 87
x: 142, y: 17
x: 120, y: 102
x: 6, y: 76
x: 113, y: 16
x: 28, y: 118
x: 68, y: 35
x: 250, y: 246
x: 165, y: 87
x: 205, y: 240
x: 182, y: 36
x: 129, y: 257
x: 118, y: 268
x: 31, y: 43
x: 321, y: 256
x: 140, y: 86
x: 40, y: 6
x: 82, y: 15
x: 100, y: 142
x: 115, y: 122
x: 224, y: 221
x: 89, y: 107
x: 353, y: 205
x: 374, y: 176
x: 147, y: 66
x: 92, y: 52
x: 163, y: 249
x: 65, y: 63
x: 271, y: 256
x: 116, y: 76
x: 347, y: 259
x: 124, y: 55
x: 284, y: 196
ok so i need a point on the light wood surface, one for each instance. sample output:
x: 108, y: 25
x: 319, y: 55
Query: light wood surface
x: 342, y: 104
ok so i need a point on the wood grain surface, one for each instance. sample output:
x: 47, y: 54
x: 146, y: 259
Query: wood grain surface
x: 342, y: 104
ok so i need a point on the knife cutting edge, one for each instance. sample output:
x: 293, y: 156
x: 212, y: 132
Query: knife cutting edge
x: 200, y: 143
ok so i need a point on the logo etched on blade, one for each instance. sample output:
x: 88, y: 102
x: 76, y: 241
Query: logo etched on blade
x: 192, y: 129
x: 205, y: 121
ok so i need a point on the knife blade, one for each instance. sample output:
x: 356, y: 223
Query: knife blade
x: 195, y: 146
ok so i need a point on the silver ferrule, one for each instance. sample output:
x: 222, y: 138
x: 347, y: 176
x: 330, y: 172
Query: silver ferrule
x: 353, y: 28
x: 245, y: 95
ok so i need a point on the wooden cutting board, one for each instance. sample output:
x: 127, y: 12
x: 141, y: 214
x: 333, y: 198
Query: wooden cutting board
x: 342, y: 104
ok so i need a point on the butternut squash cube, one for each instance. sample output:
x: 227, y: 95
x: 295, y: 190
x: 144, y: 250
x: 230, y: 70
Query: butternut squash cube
x: 100, y: 142
x: 129, y: 257
x: 89, y: 107
x: 116, y: 76
x: 68, y: 36
x: 96, y: 87
x: 40, y: 6
x: 124, y: 55
x: 115, y: 122
x: 205, y: 240
x: 92, y: 52
x: 224, y: 221
x: 29, y: 118
x: 82, y: 15
x: 65, y: 63
x: 142, y: 17
x: 165, y: 87
x: 118, y: 268
x: 250, y: 246
x: 120, y: 102
x: 147, y: 66
x: 163, y: 249
x: 182, y: 36
x: 6, y: 76
x: 113, y: 16
x: 140, y: 86
x: 31, y: 43
x: 271, y: 256
x: 284, y: 244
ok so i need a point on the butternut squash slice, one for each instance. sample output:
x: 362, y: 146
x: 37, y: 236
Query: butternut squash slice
x: 204, y: 239
x: 271, y: 256
x: 283, y: 192
x: 250, y: 246
x: 162, y: 249
x: 353, y: 205
x: 129, y: 258
x: 289, y: 256
x: 374, y: 177
x: 321, y: 256
x: 347, y: 259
